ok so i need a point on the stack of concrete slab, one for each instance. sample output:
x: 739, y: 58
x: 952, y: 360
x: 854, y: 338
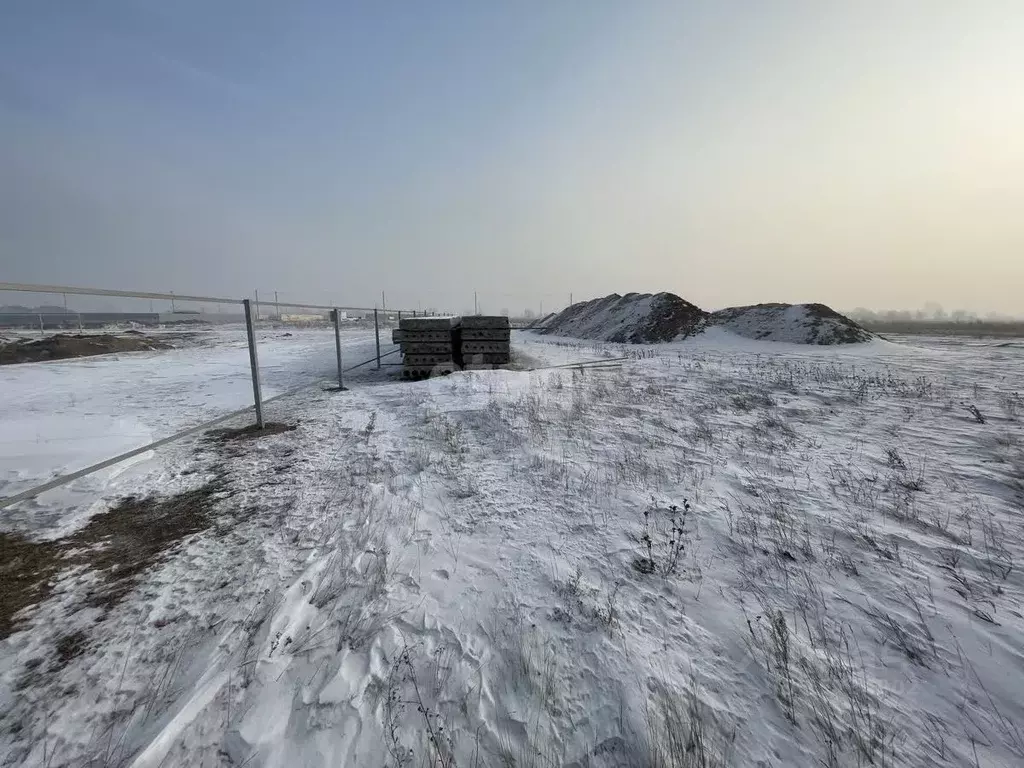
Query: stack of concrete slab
x: 484, y: 341
x: 430, y: 345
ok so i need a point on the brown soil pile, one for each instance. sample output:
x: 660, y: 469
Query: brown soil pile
x: 670, y: 318
x: 841, y: 329
x: 636, y: 318
x: 62, y: 346
x: 794, y: 323
x: 644, y: 318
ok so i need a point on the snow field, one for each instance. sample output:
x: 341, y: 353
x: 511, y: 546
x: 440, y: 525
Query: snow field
x: 487, y: 570
x: 60, y: 416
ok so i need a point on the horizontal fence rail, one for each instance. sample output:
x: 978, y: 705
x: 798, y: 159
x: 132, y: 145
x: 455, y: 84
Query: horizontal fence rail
x: 73, y: 290
x: 29, y: 288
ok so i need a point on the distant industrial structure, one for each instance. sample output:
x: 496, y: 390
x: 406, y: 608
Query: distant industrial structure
x: 55, y: 318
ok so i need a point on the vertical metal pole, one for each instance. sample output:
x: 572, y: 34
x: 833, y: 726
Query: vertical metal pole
x: 254, y: 363
x: 376, y: 331
x: 257, y: 304
x: 476, y: 311
x: 383, y: 304
x: 337, y: 343
x: 277, y: 307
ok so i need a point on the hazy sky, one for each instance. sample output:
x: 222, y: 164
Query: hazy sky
x: 851, y: 152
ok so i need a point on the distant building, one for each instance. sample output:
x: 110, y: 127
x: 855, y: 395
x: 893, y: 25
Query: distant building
x: 303, y: 318
x: 51, y: 320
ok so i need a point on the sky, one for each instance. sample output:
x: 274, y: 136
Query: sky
x: 853, y: 153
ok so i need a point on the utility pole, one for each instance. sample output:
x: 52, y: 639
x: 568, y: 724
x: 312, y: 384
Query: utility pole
x: 277, y: 307
x: 383, y: 304
x: 257, y: 304
x: 570, y: 298
x: 476, y: 310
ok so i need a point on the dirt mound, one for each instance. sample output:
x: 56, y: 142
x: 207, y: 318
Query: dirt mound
x: 643, y: 318
x: 62, y: 346
x: 636, y: 318
x: 541, y: 322
x: 793, y: 323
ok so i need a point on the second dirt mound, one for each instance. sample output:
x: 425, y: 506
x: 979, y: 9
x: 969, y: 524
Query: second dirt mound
x: 644, y: 318
x: 63, y: 346
x: 793, y: 323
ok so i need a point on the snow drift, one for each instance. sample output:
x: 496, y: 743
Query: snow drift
x: 643, y: 318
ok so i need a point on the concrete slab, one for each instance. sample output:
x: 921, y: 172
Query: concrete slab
x: 498, y: 347
x: 430, y: 359
x: 428, y: 348
x: 429, y: 323
x: 486, y: 334
x: 485, y: 321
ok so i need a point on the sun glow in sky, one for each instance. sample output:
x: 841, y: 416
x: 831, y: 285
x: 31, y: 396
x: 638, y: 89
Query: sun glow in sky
x: 853, y: 153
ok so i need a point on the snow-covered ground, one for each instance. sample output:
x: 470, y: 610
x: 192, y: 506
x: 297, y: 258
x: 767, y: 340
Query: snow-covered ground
x: 725, y: 552
x: 61, y: 416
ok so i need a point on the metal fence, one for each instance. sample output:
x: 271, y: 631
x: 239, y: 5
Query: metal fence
x: 249, y: 309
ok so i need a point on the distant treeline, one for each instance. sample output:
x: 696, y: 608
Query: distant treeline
x: 947, y: 327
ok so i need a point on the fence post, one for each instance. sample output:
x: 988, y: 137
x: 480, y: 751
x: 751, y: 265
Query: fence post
x: 337, y: 344
x: 254, y: 363
x: 376, y: 331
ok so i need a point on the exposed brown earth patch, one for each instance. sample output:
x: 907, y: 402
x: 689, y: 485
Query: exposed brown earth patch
x: 63, y: 346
